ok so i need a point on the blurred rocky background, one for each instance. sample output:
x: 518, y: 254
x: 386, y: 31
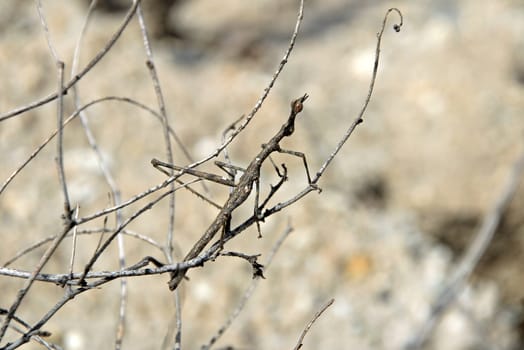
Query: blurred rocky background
x: 399, y: 206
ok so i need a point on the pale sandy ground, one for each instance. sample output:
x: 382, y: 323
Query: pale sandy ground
x: 399, y: 204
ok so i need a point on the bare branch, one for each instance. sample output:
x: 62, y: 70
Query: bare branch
x: 359, y: 118
x: 476, y: 250
x: 308, y: 326
x: 267, y: 89
x: 81, y: 74
x: 249, y: 291
x: 27, y: 285
x: 150, y: 63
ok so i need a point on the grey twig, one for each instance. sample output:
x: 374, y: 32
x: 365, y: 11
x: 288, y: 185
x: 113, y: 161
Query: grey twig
x: 81, y: 74
x: 308, y: 326
x: 150, y: 63
x: 107, y: 176
x: 41, y: 242
x: 123, y: 225
x: 31, y: 278
x: 60, y: 110
x: 248, y: 293
x: 359, y: 118
x: 469, y: 261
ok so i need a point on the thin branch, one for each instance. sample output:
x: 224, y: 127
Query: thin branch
x: 60, y: 143
x: 43, y: 21
x: 359, y: 118
x: 67, y: 215
x: 268, y: 88
x: 249, y: 292
x: 72, y: 293
x: 476, y: 250
x: 27, y: 285
x: 37, y: 337
x: 60, y: 110
x: 102, y: 277
x: 81, y: 74
x: 265, y: 93
x: 150, y: 63
x: 308, y: 326
x: 108, y: 178
x: 40, y: 243
x: 123, y: 204
x: 73, y: 243
x: 345, y: 137
x: 74, y: 115
x: 135, y: 215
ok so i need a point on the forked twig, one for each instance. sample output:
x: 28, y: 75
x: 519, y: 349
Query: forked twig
x: 122, y: 226
x: 30, y: 280
x: 82, y: 73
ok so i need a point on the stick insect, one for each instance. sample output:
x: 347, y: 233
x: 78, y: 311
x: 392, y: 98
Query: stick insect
x: 241, y: 190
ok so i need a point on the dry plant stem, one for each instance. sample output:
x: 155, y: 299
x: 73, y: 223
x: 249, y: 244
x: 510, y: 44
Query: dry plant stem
x: 264, y: 95
x: 242, y: 190
x: 249, y: 291
x: 352, y: 127
x: 27, y: 285
x: 475, y: 251
x: 178, y: 322
x: 40, y: 243
x: 165, y: 123
x: 104, y: 276
x: 60, y: 143
x: 268, y: 88
x: 124, y: 204
x: 108, y: 241
x: 38, y: 337
x: 84, y: 117
x: 81, y: 74
x: 72, y: 293
x: 26, y: 326
x: 73, y: 244
x: 166, y: 127
x: 360, y: 116
x: 46, y: 30
x: 67, y: 215
x: 35, y: 330
x: 107, y: 276
x: 317, y: 315
x: 74, y: 115
x: 69, y: 119
x: 108, y: 178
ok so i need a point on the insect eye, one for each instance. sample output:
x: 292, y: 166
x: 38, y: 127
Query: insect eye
x: 297, y: 106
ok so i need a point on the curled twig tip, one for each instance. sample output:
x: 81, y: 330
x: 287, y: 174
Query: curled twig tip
x: 396, y: 27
